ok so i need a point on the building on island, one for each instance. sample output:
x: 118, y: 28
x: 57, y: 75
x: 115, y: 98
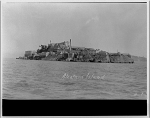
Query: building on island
x: 64, y: 51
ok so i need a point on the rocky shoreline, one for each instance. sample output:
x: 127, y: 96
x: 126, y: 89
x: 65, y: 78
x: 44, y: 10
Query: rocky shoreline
x: 64, y: 51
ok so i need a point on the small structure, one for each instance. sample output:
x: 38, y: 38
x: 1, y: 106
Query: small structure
x: 29, y: 54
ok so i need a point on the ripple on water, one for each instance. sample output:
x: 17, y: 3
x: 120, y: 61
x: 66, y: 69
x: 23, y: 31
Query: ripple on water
x: 38, y: 79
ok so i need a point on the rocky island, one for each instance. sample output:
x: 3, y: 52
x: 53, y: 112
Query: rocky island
x: 64, y: 51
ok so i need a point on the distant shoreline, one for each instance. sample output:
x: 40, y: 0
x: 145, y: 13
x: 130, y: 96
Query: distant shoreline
x: 135, y: 58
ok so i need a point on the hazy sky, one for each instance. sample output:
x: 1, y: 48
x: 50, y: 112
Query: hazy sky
x: 105, y: 26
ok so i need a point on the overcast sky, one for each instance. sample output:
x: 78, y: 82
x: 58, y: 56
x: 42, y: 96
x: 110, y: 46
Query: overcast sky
x: 105, y: 26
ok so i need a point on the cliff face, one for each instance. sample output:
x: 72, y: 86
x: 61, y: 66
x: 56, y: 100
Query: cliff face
x: 136, y: 58
x: 120, y: 58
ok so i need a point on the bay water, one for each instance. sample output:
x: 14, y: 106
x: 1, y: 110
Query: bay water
x: 38, y: 79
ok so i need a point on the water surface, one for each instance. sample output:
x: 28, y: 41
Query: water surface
x: 37, y: 79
